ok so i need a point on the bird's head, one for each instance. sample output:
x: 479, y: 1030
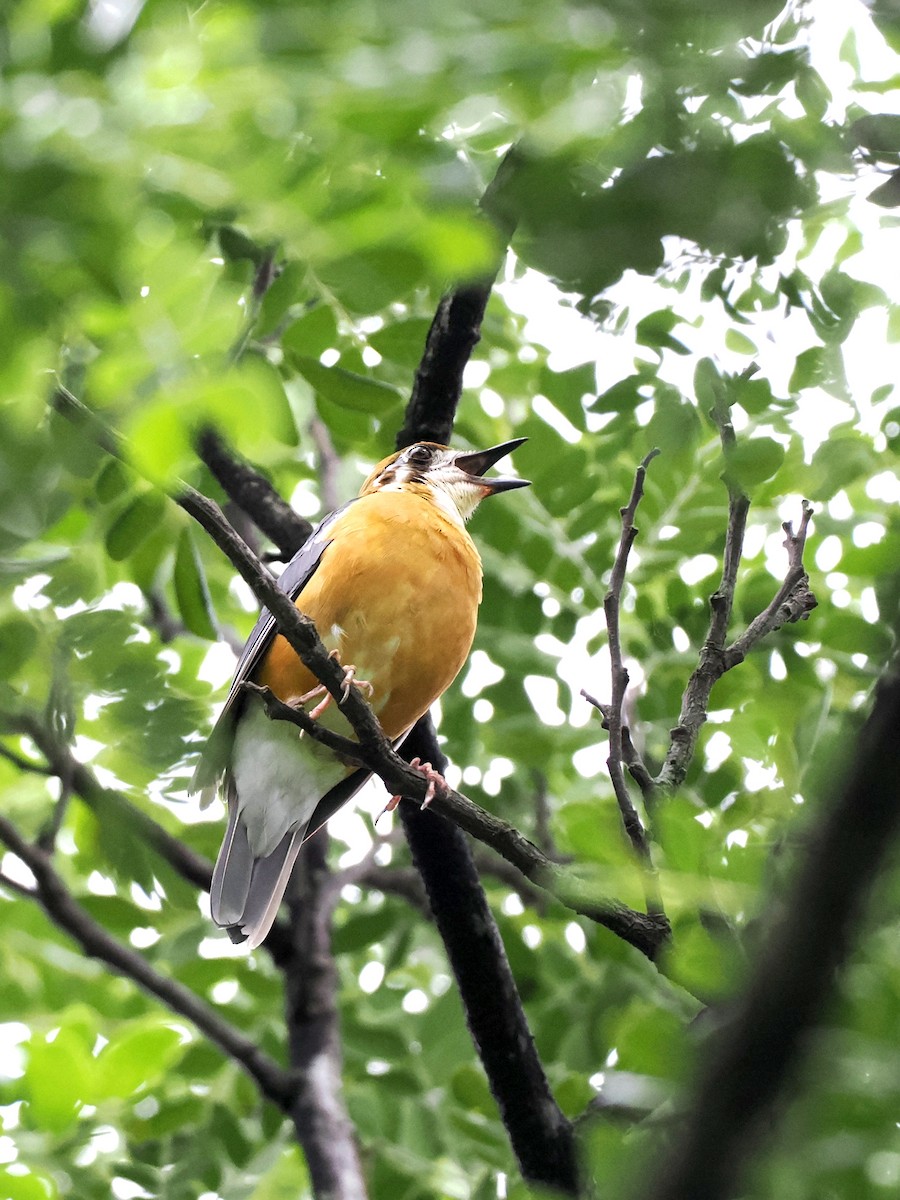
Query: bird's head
x: 452, y: 479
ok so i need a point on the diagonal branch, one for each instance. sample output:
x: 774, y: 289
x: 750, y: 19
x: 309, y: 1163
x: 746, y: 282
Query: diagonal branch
x: 64, y: 910
x: 647, y: 932
x: 252, y: 492
x: 60, y: 762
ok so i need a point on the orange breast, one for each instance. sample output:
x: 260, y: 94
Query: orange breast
x: 396, y: 593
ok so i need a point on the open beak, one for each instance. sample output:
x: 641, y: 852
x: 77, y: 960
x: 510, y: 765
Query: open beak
x: 479, y: 461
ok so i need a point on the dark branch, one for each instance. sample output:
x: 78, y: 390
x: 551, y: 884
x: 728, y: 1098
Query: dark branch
x: 454, y: 332
x: 541, y: 1136
x: 253, y: 493
x: 757, y: 1055
x: 646, y: 932
x: 65, y: 911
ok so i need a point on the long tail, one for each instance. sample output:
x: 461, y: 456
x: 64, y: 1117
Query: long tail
x: 246, y: 891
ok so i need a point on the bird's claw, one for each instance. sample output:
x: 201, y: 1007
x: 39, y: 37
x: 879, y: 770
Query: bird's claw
x: 350, y: 680
x: 436, y: 784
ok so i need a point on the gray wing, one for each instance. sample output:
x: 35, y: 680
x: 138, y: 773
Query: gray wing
x: 295, y: 576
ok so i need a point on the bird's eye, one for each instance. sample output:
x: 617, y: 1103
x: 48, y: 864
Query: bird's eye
x: 420, y: 454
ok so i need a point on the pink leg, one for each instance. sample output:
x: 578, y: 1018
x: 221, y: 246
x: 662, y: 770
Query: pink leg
x: 350, y: 680
x: 436, y: 784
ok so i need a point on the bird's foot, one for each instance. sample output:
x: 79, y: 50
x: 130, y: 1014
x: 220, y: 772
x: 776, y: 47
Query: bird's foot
x: 350, y: 680
x: 436, y: 784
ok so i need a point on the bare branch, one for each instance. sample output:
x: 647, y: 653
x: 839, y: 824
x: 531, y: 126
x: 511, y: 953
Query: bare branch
x: 65, y: 911
x: 646, y: 932
x: 613, y: 712
x: 792, y: 602
x: 253, y: 493
x: 454, y: 332
x: 404, y: 882
x: 722, y: 600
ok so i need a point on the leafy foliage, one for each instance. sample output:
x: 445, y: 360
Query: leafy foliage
x: 685, y: 174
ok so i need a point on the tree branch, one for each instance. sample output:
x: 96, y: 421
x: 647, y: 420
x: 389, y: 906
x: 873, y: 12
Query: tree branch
x: 613, y: 712
x: 792, y: 602
x: 320, y: 1118
x: 541, y: 1136
x: 454, y: 332
x: 722, y: 600
x: 65, y: 911
x: 757, y: 1055
x: 253, y: 493
x: 647, y: 933
x: 186, y: 862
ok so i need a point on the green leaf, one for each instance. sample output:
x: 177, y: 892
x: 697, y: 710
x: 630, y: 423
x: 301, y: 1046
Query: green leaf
x: 59, y: 1079
x: 739, y: 342
x: 138, y: 1054
x: 112, y: 480
x: 18, y: 639
x: 371, y: 279
x: 346, y: 388
x: 191, y: 591
x: 754, y: 460
x: 136, y: 522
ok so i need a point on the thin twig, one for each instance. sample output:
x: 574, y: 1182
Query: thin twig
x: 253, y: 493
x: 722, y: 599
x: 266, y: 273
x: 792, y: 602
x: 65, y: 911
x: 613, y: 712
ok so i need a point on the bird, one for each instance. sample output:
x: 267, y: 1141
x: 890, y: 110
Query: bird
x: 392, y: 581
